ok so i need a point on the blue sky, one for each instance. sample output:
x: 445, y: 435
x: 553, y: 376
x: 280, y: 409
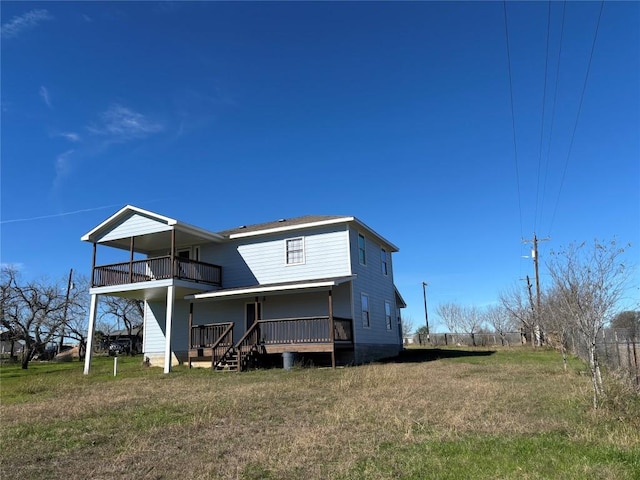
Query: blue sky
x: 221, y: 114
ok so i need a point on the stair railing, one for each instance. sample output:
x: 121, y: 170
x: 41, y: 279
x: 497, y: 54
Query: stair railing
x: 250, y: 339
x: 221, y: 346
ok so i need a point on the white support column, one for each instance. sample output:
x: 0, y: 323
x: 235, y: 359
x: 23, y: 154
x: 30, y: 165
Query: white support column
x: 92, y: 323
x: 167, y: 333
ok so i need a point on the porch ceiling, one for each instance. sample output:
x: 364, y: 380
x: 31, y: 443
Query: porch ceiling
x: 271, y: 289
x: 154, y: 242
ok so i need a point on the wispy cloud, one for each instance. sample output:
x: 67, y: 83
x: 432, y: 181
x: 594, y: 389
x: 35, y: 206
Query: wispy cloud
x: 44, y: 93
x: 122, y: 123
x: 71, y: 136
x: 63, y: 166
x: 26, y: 21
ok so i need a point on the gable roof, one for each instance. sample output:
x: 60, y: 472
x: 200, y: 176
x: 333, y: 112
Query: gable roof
x: 299, y: 223
x: 100, y: 233
x: 283, y: 224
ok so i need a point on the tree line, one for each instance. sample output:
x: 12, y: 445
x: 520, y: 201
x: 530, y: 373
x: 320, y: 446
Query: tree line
x: 587, y: 286
x: 41, y: 314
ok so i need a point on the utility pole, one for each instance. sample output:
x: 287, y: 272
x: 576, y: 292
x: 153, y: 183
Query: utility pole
x: 64, y: 313
x: 426, y: 314
x: 534, y: 255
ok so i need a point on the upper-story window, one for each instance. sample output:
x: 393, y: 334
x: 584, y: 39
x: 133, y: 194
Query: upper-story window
x: 362, y: 249
x: 294, y: 251
x: 384, y: 261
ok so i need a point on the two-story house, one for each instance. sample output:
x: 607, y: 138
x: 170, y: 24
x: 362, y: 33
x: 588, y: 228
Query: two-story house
x: 320, y: 285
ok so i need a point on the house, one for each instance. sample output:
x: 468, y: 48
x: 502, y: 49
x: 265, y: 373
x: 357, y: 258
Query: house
x: 316, y: 285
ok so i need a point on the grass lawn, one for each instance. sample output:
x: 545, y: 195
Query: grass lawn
x: 441, y: 414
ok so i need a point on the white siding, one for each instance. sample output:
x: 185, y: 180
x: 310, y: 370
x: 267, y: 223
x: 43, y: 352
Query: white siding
x: 133, y: 225
x: 155, y: 324
x: 261, y: 260
x: 379, y: 288
x: 325, y: 256
x: 154, y: 327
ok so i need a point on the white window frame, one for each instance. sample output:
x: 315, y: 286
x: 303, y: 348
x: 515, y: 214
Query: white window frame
x: 362, y: 258
x: 286, y: 251
x: 384, y: 259
x: 366, y: 314
x: 387, y: 315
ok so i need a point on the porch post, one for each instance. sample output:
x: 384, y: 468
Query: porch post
x: 172, y: 254
x: 255, y: 309
x: 332, y: 333
x: 93, y: 264
x: 92, y: 322
x: 190, y: 332
x: 131, y: 261
x: 168, y: 326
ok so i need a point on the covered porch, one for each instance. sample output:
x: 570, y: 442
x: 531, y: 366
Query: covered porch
x: 267, y: 333
x: 159, y: 248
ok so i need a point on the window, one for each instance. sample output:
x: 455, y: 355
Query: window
x: 362, y: 254
x: 295, y: 250
x: 366, y: 320
x: 387, y: 314
x: 383, y: 261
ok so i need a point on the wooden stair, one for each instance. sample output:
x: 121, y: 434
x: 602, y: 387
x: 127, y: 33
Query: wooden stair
x: 228, y: 363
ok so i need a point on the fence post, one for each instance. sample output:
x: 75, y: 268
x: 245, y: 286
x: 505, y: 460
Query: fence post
x: 635, y: 361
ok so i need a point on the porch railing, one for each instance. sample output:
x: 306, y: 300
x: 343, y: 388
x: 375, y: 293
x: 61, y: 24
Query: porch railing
x: 205, y: 336
x: 304, y: 330
x: 156, y: 268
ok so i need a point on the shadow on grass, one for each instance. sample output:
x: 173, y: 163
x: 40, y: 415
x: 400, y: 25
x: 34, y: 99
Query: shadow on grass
x: 419, y: 355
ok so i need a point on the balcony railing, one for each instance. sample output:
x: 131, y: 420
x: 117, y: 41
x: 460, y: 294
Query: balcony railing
x: 156, y: 268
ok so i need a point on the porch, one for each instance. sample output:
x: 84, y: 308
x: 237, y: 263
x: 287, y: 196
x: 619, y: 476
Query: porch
x: 324, y: 334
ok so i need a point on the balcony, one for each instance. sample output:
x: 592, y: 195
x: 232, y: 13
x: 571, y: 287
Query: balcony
x: 156, y: 268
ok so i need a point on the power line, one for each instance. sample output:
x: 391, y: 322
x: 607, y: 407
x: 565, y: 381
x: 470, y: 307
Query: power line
x: 544, y: 101
x: 575, y: 125
x: 553, y: 109
x: 513, y: 116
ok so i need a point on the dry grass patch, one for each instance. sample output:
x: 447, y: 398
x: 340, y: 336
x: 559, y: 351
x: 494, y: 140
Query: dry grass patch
x: 375, y: 421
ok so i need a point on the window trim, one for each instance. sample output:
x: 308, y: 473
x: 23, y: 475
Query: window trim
x: 302, y: 249
x: 384, y: 260
x: 362, y: 259
x: 387, y: 315
x: 368, y: 310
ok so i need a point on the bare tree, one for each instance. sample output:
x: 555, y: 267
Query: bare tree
x: 516, y: 303
x: 471, y: 321
x: 451, y: 314
x: 589, y: 282
x: 128, y: 310
x: 33, y: 311
x: 557, y: 326
x: 498, y: 317
x: 407, y: 326
x: 76, y: 321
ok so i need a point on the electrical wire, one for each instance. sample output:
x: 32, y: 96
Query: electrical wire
x: 513, y: 117
x: 544, y: 101
x: 553, y: 109
x: 575, y: 125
